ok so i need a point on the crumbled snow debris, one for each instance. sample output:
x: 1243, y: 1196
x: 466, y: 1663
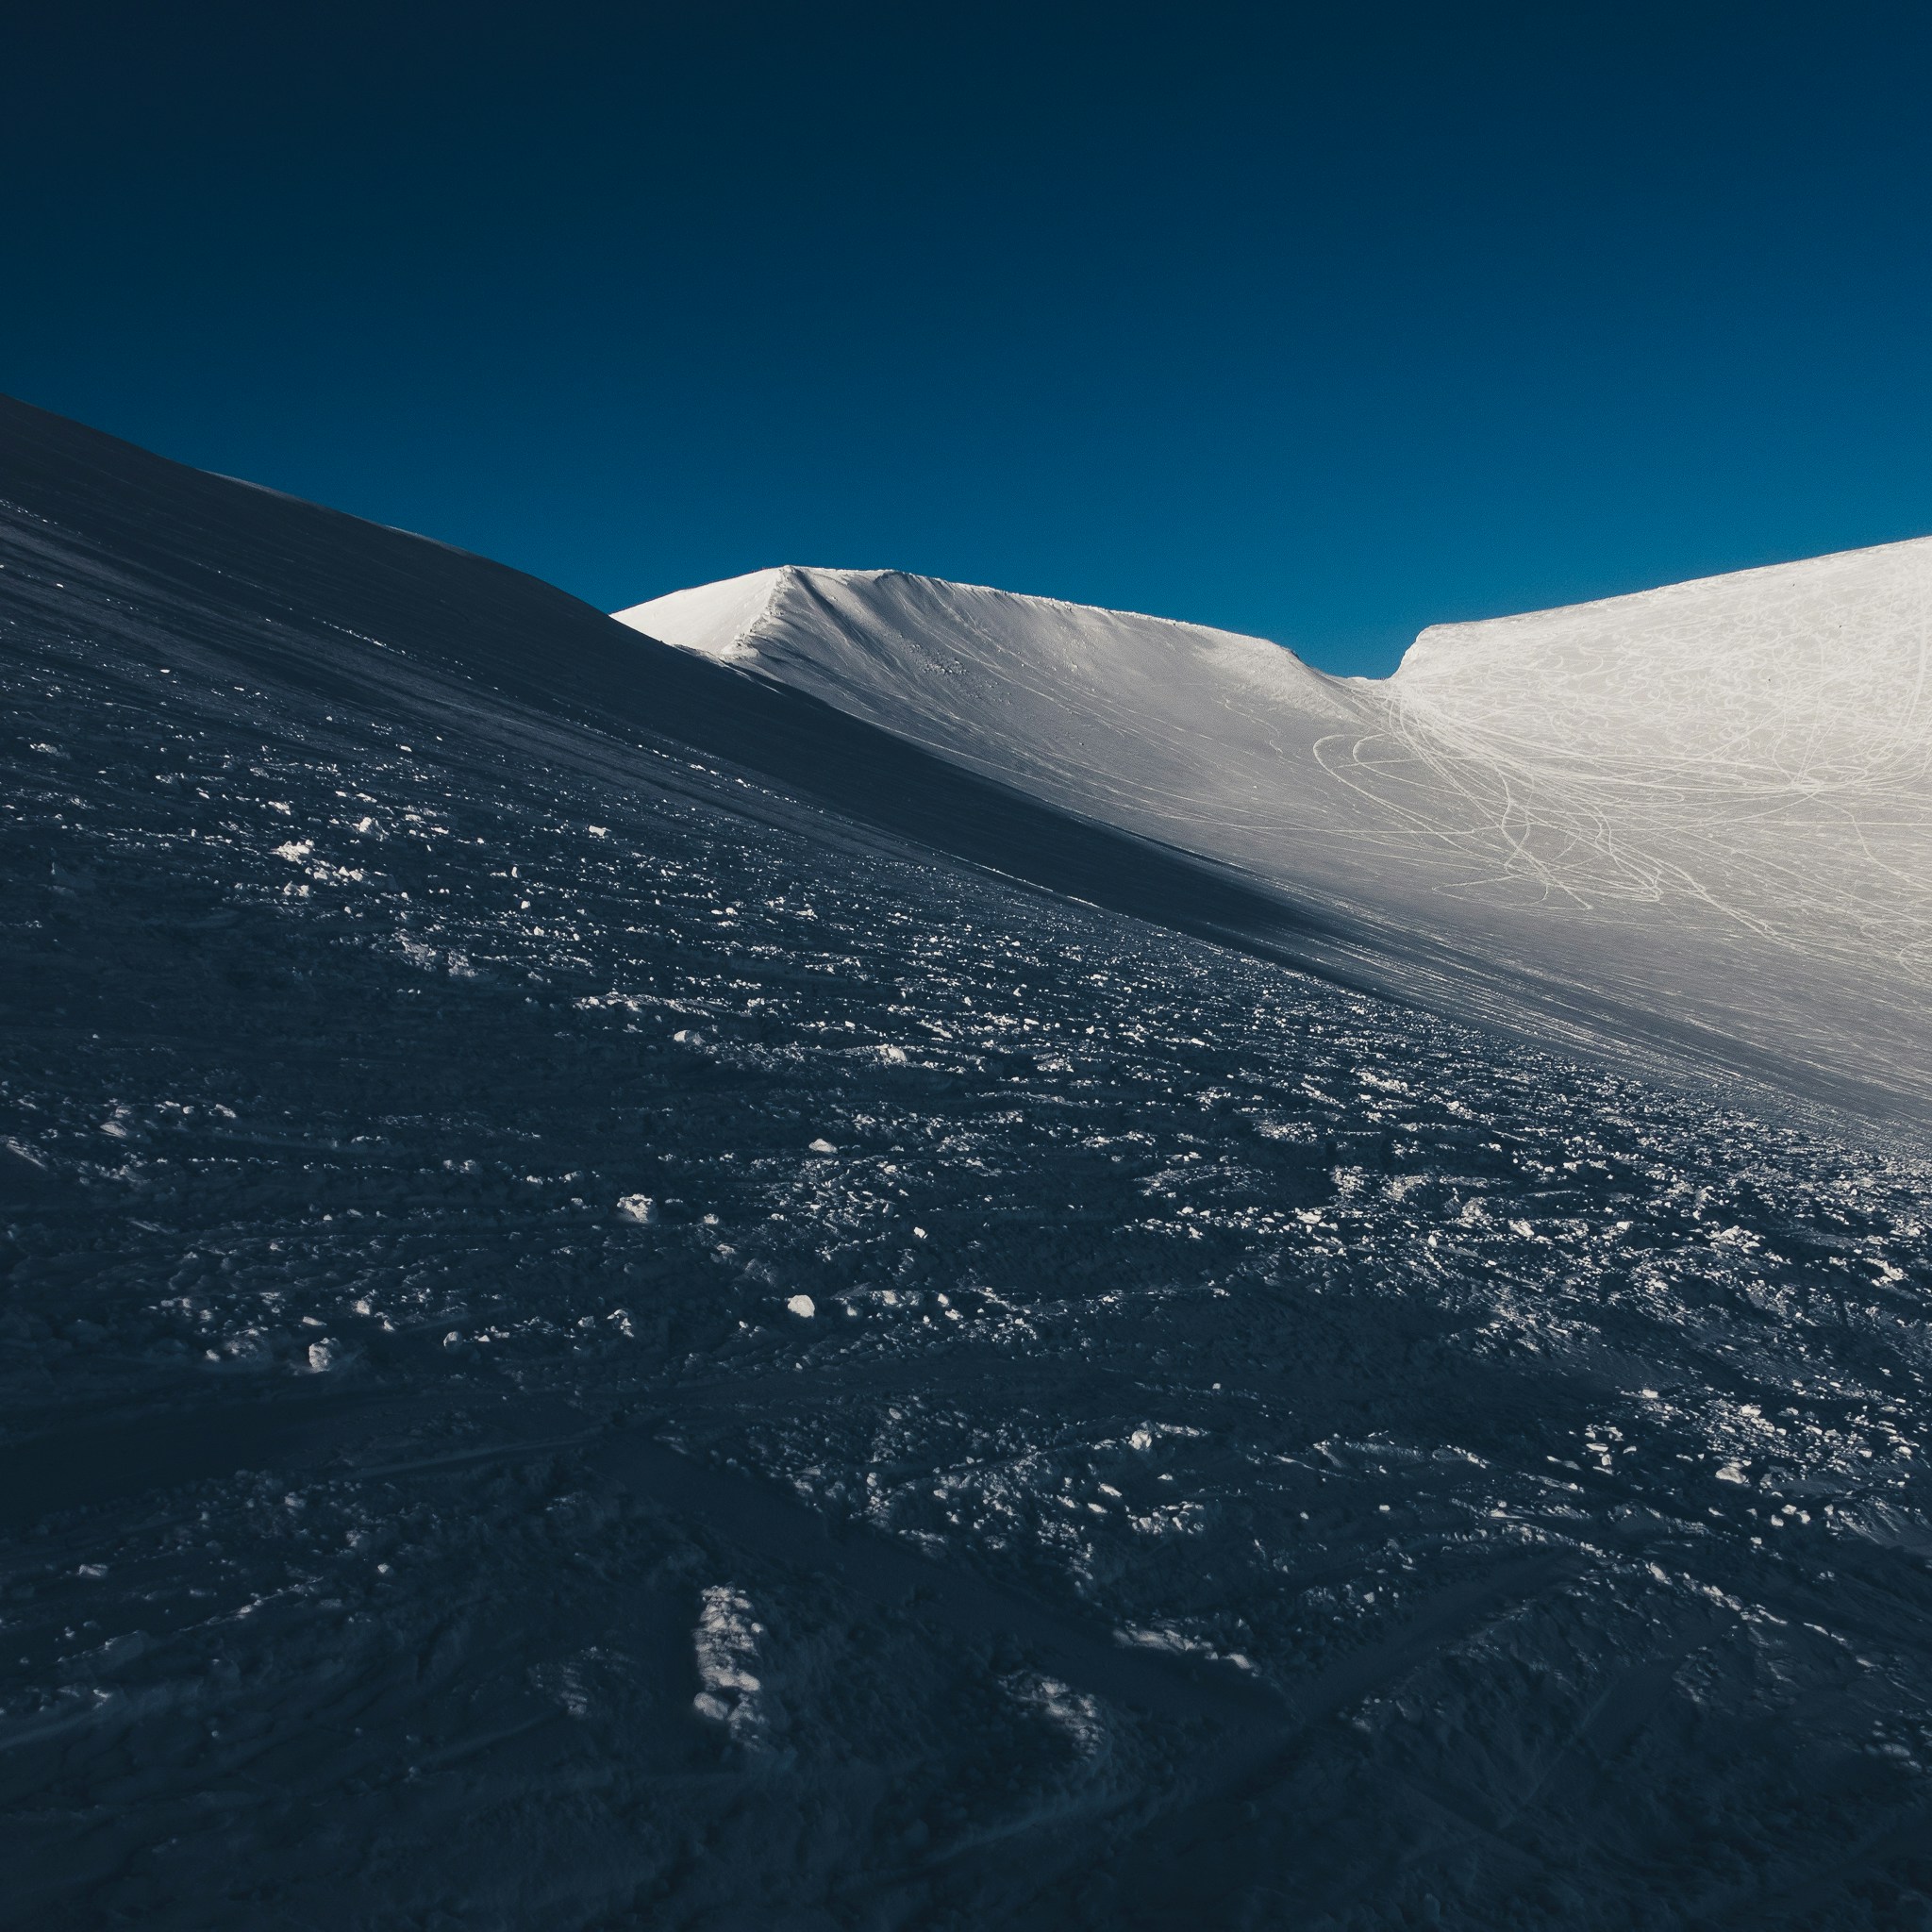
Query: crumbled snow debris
x: 1164, y: 1636
x: 821, y: 1146
x: 726, y: 1644
x: 1076, y: 1714
x: 295, y: 849
x: 641, y: 1209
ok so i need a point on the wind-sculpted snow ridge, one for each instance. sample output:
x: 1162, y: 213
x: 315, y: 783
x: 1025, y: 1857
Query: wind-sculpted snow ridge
x: 588, y: 1343
x: 1697, y: 819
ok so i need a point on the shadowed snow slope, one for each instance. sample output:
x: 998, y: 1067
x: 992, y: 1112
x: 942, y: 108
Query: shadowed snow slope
x: 589, y: 1344
x: 1696, y: 820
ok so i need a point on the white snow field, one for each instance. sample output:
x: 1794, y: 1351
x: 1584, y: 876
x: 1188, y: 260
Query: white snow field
x: 1697, y: 819
x: 627, y: 1306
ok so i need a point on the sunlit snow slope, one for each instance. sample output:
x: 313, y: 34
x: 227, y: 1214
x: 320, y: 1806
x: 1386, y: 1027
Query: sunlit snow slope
x: 1696, y: 820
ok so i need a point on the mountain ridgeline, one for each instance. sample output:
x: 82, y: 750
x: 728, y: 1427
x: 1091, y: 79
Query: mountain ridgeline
x: 1690, y: 829
x: 1692, y: 825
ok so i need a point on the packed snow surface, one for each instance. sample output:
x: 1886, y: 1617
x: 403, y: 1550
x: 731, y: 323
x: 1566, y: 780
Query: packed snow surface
x: 590, y: 1343
x: 1699, y: 816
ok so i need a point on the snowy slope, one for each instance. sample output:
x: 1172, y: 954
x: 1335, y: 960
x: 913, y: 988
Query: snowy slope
x: 1257, y: 1454
x: 1182, y: 732
x: 1698, y: 818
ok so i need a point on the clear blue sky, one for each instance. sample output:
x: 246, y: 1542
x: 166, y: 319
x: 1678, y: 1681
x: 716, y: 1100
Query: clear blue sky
x: 1322, y: 323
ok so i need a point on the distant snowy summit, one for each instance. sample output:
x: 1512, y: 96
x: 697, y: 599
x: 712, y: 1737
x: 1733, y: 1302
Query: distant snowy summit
x: 1700, y: 814
x: 1062, y: 699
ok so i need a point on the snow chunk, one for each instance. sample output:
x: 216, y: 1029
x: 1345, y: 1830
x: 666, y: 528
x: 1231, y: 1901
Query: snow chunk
x: 1073, y: 1713
x: 802, y: 1306
x: 638, y: 1208
x: 726, y: 1643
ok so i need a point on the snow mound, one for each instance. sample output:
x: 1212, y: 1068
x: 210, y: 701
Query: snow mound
x: 1696, y: 819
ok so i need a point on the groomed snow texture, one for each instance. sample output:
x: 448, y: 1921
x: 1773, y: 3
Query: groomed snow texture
x: 1259, y: 1455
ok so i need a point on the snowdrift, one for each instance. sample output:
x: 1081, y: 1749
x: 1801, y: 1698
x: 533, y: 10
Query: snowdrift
x: 1695, y: 821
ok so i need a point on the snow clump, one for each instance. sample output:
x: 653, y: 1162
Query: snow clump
x: 726, y: 1643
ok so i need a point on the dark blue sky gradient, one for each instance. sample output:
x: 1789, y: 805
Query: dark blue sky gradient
x: 1319, y: 323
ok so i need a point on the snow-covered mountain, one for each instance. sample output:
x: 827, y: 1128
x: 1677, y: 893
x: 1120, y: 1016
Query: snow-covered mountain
x: 1698, y: 819
x: 603, y: 1325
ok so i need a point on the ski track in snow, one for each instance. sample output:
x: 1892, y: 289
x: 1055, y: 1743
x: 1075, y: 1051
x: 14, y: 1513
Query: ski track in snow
x: 1787, y: 795
x: 1258, y: 1454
